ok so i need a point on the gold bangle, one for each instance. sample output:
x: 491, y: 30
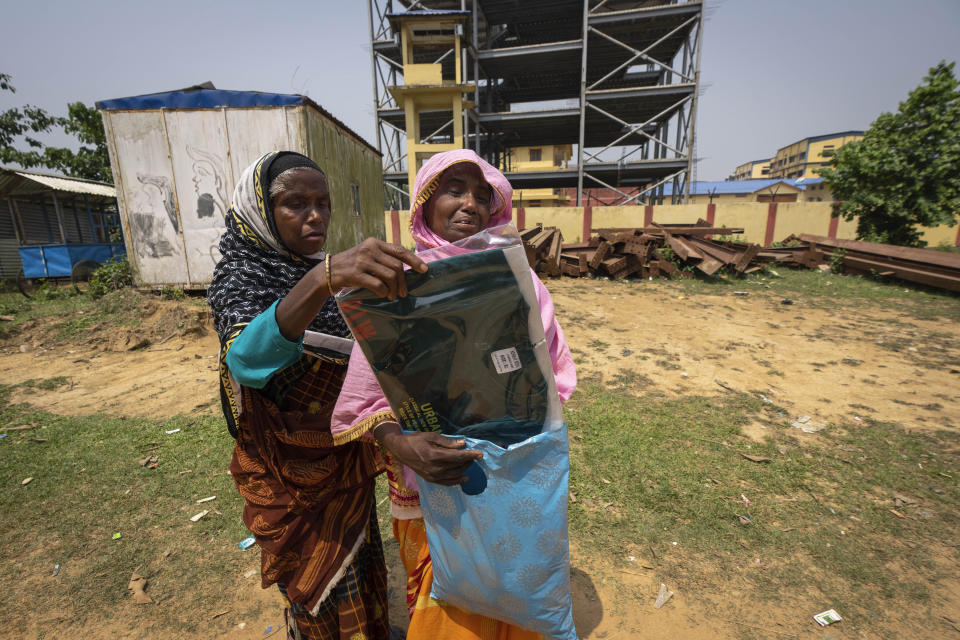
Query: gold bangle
x: 326, y: 265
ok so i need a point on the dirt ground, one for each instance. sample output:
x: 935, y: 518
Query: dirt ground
x: 829, y: 362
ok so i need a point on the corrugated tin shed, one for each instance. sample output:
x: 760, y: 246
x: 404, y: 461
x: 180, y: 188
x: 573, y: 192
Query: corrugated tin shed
x: 22, y: 182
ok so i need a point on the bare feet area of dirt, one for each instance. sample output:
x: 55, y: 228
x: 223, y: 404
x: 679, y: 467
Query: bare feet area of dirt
x: 830, y: 362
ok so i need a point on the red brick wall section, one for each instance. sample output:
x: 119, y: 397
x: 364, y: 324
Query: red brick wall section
x: 587, y: 223
x: 834, y: 223
x: 771, y: 224
x: 647, y: 215
x: 395, y: 226
x: 956, y: 242
x: 711, y: 216
x: 521, y: 218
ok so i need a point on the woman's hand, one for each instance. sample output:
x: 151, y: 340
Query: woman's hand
x: 435, y: 458
x: 375, y: 265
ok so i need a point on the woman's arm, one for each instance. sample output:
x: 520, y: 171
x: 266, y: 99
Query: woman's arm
x: 373, y: 264
x: 362, y: 408
x: 261, y: 350
x: 564, y: 371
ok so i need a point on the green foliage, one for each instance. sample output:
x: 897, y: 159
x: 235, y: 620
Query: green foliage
x: 91, y: 160
x: 172, y: 293
x: 51, y: 290
x: 779, y: 244
x: 904, y: 171
x: 836, y: 260
x: 669, y: 255
x: 112, y: 275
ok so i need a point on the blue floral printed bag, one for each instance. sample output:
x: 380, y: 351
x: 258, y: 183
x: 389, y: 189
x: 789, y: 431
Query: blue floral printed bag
x: 504, y: 553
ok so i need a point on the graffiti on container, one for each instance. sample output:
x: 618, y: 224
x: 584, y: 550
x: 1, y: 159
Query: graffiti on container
x: 165, y: 187
x: 148, y: 236
x: 208, y: 184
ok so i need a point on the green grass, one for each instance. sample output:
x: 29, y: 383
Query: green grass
x: 819, y: 514
x: 821, y: 289
x: 87, y: 485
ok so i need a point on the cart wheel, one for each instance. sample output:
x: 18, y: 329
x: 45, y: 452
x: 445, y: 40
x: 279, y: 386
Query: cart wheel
x: 83, y: 270
x: 26, y: 285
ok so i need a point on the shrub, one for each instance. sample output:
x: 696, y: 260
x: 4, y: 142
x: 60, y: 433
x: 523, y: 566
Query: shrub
x: 112, y: 275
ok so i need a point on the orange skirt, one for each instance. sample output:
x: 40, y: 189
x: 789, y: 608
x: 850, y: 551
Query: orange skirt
x: 430, y: 618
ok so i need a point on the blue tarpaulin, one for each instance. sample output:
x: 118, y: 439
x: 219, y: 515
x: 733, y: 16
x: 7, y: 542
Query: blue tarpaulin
x: 203, y: 99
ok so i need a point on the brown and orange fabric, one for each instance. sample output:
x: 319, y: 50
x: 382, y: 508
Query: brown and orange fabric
x: 430, y: 618
x: 308, y: 503
x: 356, y: 609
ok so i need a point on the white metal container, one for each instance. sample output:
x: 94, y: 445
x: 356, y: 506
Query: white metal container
x: 176, y: 157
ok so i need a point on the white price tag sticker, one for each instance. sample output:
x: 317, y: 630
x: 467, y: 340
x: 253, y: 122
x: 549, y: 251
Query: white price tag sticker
x: 506, y: 360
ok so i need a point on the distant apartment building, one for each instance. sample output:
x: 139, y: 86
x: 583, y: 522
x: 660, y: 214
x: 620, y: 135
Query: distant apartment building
x: 540, y: 158
x: 802, y: 158
x: 798, y: 160
x: 753, y: 170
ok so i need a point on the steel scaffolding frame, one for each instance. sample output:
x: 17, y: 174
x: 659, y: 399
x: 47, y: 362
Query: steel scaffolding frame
x: 636, y: 91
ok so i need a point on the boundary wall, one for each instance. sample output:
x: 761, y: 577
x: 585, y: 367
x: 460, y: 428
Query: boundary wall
x: 762, y: 222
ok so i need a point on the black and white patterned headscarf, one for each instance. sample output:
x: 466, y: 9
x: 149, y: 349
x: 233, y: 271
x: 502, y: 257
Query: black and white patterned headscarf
x: 257, y: 268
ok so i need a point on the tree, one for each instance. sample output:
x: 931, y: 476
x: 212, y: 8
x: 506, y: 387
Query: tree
x: 91, y: 160
x: 906, y: 170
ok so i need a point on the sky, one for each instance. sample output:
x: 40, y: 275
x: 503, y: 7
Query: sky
x: 772, y: 71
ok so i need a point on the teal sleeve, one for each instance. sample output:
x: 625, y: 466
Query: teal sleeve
x: 261, y: 350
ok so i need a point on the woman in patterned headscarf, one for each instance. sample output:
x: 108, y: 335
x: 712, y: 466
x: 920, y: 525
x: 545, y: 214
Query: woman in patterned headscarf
x: 457, y: 194
x: 284, y: 353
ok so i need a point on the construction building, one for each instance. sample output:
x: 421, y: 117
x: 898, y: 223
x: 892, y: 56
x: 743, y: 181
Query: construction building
x: 753, y: 170
x: 801, y: 159
x: 616, y: 81
x: 539, y: 158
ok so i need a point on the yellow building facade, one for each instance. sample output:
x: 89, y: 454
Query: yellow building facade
x: 753, y: 170
x: 425, y: 88
x: 804, y: 157
x: 540, y: 158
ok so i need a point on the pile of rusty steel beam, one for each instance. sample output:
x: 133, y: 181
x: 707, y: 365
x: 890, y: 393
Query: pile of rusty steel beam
x: 675, y: 250
x: 542, y: 245
x: 619, y: 253
x: 929, y: 267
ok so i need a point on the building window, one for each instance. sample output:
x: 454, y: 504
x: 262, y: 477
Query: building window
x: 535, y: 155
x: 355, y: 192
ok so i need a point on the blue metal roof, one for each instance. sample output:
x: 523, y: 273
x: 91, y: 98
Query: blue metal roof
x: 428, y: 13
x: 721, y: 187
x: 202, y: 99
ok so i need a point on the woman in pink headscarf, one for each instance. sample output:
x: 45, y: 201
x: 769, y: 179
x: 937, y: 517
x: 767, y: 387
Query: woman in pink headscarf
x: 456, y: 194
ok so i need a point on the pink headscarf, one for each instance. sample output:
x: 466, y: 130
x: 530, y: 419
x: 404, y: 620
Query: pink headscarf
x: 361, y: 405
x: 428, y: 178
